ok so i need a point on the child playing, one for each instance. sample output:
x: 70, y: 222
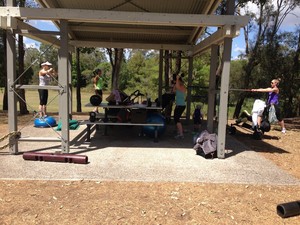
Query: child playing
x: 197, y: 117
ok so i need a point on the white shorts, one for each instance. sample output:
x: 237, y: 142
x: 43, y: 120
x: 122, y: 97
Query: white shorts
x: 257, y: 110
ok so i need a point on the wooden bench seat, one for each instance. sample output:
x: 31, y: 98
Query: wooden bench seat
x: 89, y: 125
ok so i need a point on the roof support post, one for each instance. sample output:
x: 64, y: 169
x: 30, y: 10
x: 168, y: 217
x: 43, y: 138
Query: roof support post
x: 212, y: 88
x: 223, y: 105
x: 160, y: 76
x: 63, y: 78
x: 11, y: 77
x: 70, y: 84
x: 189, y: 90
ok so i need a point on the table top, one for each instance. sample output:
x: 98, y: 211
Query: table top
x: 131, y: 106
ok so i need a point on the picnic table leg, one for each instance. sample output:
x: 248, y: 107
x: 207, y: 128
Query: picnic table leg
x: 105, y: 120
x: 88, y: 132
x: 155, y: 134
x: 141, y: 133
x: 105, y: 130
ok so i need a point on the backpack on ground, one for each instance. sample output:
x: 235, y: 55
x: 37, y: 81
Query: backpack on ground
x: 206, y: 144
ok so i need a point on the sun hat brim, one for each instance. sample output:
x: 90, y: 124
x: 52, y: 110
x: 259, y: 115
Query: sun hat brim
x: 46, y: 64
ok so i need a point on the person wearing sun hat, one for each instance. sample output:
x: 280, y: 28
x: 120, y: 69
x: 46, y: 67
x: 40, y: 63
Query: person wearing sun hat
x: 44, y: 79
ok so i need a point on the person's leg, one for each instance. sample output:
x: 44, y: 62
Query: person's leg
x: 179, y: 128
x: 44, y: 110
x: 42, y: 100
x: 260, y: 115
x: 176, y: 117
x: 95, y: 109
x: 45, y: 103
x: 40, y: 111
x: 100, y: 93
x: 259, y: 119
x: 196, y: 125
x: 177, y: 114
x: 280, y: 119
x: 254, y: 119
x: 281, y: 123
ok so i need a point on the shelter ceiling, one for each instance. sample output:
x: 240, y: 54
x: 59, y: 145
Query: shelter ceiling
x: 140, y: 35
x: 139, y: 24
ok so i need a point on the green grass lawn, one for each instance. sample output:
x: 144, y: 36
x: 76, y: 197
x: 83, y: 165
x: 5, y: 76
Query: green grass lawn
x: 32, y: 100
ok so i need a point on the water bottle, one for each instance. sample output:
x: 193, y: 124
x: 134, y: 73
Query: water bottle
x: 149, y: 101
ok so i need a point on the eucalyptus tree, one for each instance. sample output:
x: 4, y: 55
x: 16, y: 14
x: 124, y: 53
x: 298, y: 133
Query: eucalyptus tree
x: 263, y: 27
x: 20, y: 67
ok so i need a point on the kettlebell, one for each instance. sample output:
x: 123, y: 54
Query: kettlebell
x: 92, y: 116
x: 95, y: 100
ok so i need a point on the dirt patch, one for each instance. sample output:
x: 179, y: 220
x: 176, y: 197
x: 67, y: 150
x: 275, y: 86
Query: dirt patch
x: 92, y: 202
x: 282, y: 149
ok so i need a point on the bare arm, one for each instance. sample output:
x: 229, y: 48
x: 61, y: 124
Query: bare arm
x: 275, y: 89
x: 95, y: 81
x: 177, y: 84
x: 43, y: 72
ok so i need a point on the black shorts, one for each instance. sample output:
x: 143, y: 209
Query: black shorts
x: 179, y: 109
x: 43, y: 96
x: 197, y: 121
x: 277, y: 112
x: 98, y: 92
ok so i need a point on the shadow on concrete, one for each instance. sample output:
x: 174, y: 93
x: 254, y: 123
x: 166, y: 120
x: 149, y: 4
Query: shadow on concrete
x: 130, y: 137
x: 256, y: 145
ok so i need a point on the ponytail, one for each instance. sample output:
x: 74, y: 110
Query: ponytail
x: 277, y: 81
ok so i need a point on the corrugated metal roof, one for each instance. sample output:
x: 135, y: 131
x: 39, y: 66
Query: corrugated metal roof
x: 101, y: 32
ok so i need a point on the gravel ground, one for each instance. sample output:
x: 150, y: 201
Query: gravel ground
x: 121, y: 157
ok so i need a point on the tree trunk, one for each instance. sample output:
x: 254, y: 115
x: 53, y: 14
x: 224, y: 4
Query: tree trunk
x: 5, y: 100
x: 78, y: 77
x: 21, y: 92
x: 296, y: 69
x: 166, y: 73
x: 248, y: 71
x: 252, y: 62
x: 178, y: 62
x: 238, y: 106
x: 116, y: 58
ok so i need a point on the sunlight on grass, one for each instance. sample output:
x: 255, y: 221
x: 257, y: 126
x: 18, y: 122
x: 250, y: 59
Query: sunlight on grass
x: 32, y: 100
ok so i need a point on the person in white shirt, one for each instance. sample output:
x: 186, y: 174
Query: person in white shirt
x: 44, y: 79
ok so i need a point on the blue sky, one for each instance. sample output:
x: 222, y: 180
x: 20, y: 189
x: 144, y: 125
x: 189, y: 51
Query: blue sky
x: 238, y: 44
x: 289, y: 24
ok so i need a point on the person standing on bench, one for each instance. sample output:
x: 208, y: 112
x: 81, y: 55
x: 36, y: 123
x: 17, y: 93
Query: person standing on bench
x: 45, y: 75
x: 180, y: 94
x: 98, y: 85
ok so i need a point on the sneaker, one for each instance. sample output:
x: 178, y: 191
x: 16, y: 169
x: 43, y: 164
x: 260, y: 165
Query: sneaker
x: 179, y: 136
x: 246, y: 112
x: 283, y: 131
x: 45, y: 116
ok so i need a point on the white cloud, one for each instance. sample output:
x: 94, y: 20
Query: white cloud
x: 29, y: 43
x: 239, y: 49
x: 292, y: 19
x: 43, y: 25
